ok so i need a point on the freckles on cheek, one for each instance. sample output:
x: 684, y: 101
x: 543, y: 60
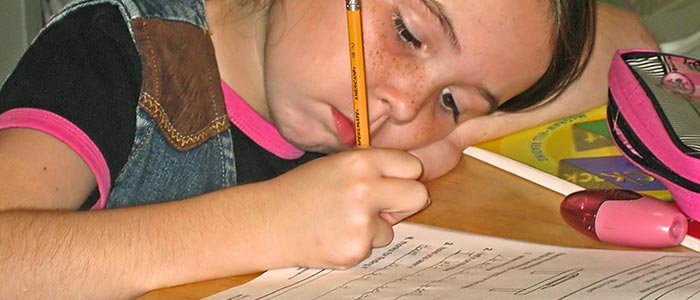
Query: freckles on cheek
x: 435, y: 132
x: 425, y: 134
x: 374, y: 59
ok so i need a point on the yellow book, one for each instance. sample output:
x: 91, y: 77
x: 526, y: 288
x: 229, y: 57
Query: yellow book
x: 577, y: 149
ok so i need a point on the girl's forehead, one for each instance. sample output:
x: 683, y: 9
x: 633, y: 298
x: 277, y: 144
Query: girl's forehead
x: 507, y: 45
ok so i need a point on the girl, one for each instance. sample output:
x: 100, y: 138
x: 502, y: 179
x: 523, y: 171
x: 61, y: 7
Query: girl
x: 201, y: 127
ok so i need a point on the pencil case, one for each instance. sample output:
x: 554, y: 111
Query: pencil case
x: 654, y: 119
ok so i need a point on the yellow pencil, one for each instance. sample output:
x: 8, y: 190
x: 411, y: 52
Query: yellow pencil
x: 357, y: 71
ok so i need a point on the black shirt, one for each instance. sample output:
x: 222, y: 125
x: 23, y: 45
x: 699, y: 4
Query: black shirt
x: 87, y: 69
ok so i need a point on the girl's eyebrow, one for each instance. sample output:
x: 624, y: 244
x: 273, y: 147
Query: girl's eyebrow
x: 490, y: 98
x: 438, y: 10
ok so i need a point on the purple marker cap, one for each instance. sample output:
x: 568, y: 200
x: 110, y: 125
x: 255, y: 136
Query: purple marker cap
x: 625, y: 218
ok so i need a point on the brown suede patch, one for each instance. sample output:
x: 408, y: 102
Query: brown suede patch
x: 181, y: 84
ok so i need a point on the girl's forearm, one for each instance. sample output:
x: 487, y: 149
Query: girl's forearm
x: 123, y: 253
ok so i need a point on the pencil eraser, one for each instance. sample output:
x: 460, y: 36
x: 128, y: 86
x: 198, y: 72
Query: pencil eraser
x: 625, y: 218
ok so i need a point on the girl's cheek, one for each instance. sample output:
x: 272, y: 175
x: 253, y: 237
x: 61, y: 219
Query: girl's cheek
x: 422, y: 132
x: 376, y: 53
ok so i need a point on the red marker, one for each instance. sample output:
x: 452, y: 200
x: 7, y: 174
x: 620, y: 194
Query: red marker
x: 625, y: 218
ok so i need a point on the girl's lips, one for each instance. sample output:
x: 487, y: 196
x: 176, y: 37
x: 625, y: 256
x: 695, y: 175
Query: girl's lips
x: 344, y: 127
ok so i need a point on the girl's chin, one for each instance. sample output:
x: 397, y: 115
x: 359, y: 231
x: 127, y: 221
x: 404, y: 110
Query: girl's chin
x: 328, y: 149
x: 326, y: 146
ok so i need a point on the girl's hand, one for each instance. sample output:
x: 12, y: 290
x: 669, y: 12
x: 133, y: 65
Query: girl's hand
x: 443, y: 155
x: 332, y: 211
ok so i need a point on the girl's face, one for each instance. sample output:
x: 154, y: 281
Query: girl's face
x: 430, y: 64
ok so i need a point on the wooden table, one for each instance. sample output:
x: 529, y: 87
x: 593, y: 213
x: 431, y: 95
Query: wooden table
x: 474, y: 197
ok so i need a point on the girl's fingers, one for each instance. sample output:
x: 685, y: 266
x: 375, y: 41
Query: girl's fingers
x: 438, y: 158
x: 383, y: 235
x: 400, y: 198
x: 388, y: 163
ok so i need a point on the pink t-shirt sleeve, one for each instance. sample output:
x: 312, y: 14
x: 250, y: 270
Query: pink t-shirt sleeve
x: 69, y: 134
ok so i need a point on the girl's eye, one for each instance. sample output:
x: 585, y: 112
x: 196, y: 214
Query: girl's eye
x: 448, y: 102
x: 403, y: 34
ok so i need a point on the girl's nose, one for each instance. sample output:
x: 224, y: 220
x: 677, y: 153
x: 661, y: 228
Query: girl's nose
x: 399, y: 106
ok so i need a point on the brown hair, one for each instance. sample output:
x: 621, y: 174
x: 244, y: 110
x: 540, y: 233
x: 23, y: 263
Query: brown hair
x: 574, y: 27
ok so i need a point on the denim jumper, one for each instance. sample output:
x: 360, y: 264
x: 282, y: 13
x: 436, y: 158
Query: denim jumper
x: 182, y: 145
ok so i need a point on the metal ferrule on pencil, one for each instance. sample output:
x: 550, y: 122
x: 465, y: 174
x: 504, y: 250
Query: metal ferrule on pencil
x: 352, y: 5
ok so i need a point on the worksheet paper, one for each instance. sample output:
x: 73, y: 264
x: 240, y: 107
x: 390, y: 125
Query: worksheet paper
x: 431, y: 263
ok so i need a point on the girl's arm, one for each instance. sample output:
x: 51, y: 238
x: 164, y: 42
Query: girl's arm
x: 616, y: 29
x: 327, y: 213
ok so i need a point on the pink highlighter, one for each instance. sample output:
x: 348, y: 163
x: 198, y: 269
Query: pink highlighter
x: 625, y: 218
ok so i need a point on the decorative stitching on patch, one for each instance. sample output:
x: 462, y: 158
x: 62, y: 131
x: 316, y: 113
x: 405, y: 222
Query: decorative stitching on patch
x: 184, y: 142
x: 152, y: 56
